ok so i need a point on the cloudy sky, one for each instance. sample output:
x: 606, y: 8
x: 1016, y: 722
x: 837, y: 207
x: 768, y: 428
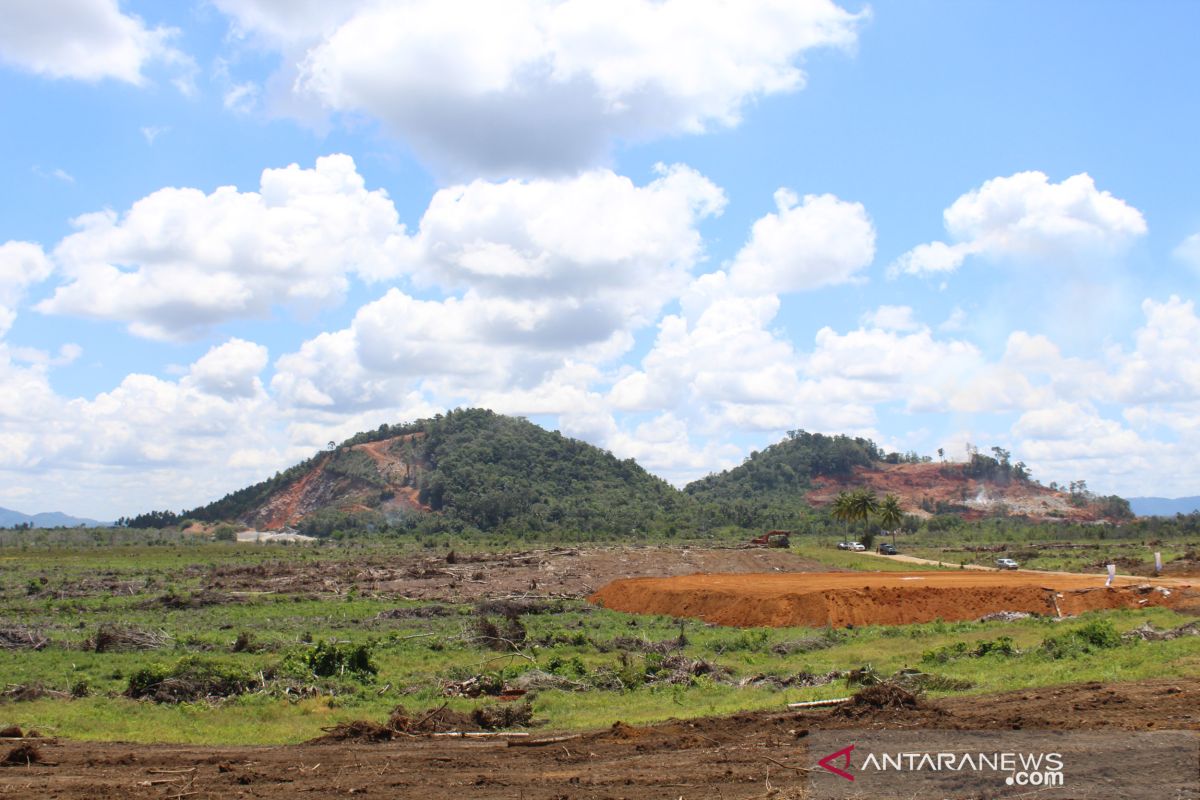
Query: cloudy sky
x: 233, y: 230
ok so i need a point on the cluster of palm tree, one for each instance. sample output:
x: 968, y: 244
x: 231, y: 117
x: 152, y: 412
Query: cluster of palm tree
x: 860, y: 505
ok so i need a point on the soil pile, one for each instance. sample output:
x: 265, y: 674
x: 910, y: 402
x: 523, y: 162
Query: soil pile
x: 23, y: 754
x: 897, y: 598
x: 403, y: 723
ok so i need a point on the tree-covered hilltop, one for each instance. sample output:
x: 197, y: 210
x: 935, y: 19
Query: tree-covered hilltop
x: 471, y: 468
x: 490, y: 471
x: 768, y: 488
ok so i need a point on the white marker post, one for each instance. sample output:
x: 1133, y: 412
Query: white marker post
x: 1112, y: 573
x: 1158, y: 563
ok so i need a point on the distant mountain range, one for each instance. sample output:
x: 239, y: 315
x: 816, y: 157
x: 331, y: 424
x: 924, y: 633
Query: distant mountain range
x: 1163, y: 506
x: 47, y: 519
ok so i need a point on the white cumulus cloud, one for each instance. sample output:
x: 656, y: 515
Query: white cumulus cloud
x: 180, y: 261
x: 22, y: 264
x: 87, y: 40
x: 820, y: 242
x: 231, y: 369
x: 543, y: 271
x: 543, y: 85
x: 1027, y: 218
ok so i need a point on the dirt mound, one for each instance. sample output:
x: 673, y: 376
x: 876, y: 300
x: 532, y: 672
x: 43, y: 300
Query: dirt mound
x: 883, y: 695
x: 403, y: 723
x: 897, y: 598
x: 23, y: 754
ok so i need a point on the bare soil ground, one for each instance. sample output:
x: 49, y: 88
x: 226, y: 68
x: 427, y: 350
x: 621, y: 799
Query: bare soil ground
x: 948, y: 483
x: 894, y: 598
x: 745, y: 756
x: 558, y: 572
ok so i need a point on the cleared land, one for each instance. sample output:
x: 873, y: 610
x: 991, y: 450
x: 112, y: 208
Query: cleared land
x: 895, y: 598
x: 744, y: 756
x: 239, y: 654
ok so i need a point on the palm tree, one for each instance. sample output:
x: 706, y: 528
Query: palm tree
x: 843, y: 509
x: 863, y: 504
x: 890, y: 514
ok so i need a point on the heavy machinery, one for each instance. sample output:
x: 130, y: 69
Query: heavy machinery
x: 772, y: 539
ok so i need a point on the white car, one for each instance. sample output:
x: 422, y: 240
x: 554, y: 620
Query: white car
x: 1005, y: 563
x: 858, y: 547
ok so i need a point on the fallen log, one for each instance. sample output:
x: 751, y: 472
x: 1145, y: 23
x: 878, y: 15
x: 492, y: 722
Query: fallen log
x: 477, y: 734
x: 540, y: 742
x: 836, y: 701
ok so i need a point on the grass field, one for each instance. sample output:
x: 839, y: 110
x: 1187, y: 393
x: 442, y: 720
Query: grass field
x: 631, y: 668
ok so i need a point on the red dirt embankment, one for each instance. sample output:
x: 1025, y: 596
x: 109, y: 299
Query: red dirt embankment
x: 896, y: 598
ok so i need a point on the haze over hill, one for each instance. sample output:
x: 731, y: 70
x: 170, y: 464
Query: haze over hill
x: 1163, y: 506
x: 45, y: 519
x: 474, y: 469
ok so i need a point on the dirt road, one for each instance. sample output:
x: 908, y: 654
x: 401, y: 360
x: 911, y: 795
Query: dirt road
x: 732, y: 757
x: 926, y: 561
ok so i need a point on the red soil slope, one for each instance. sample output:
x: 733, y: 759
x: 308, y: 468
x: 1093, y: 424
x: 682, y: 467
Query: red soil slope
x: 319, y: 488
x: 871, y: 598
x: 949, y: 483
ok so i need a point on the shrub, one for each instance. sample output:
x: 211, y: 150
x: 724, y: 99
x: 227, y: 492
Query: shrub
x: 225, y: 533
x: 1001, y: 646
x: 329, y: 659
x: 189, y: 679
x: 1099, y: 634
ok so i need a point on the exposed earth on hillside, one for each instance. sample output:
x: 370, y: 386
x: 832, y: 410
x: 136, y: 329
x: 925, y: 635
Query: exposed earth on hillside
x: 950, y: 485
x: 395, y: 469
x: 558, y: 572
x: 744, y: 756
x: 891, y: 598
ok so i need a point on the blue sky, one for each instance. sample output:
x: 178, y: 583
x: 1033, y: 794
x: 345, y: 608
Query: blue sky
x: 674, y: 229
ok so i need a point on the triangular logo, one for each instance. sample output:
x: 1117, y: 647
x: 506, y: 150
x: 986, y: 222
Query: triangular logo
x: 844, y: 754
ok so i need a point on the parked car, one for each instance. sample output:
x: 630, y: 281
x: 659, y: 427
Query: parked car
x: 1005, y: 563
x: 858, y: 547
x: 886, y: 549
x: 844, y: 546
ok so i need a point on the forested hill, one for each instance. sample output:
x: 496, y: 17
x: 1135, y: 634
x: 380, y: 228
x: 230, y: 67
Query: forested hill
x: 769, y: 487
x: 471, y: 468
x: 477, y: 470
x: 788, y: 466
x: 807, y: 471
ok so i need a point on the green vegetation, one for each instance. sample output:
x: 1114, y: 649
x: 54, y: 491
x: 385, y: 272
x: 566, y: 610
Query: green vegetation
x: 767, y: 490
x: 486, y: 474
x: 277, y: 667
x: 482, y: 471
